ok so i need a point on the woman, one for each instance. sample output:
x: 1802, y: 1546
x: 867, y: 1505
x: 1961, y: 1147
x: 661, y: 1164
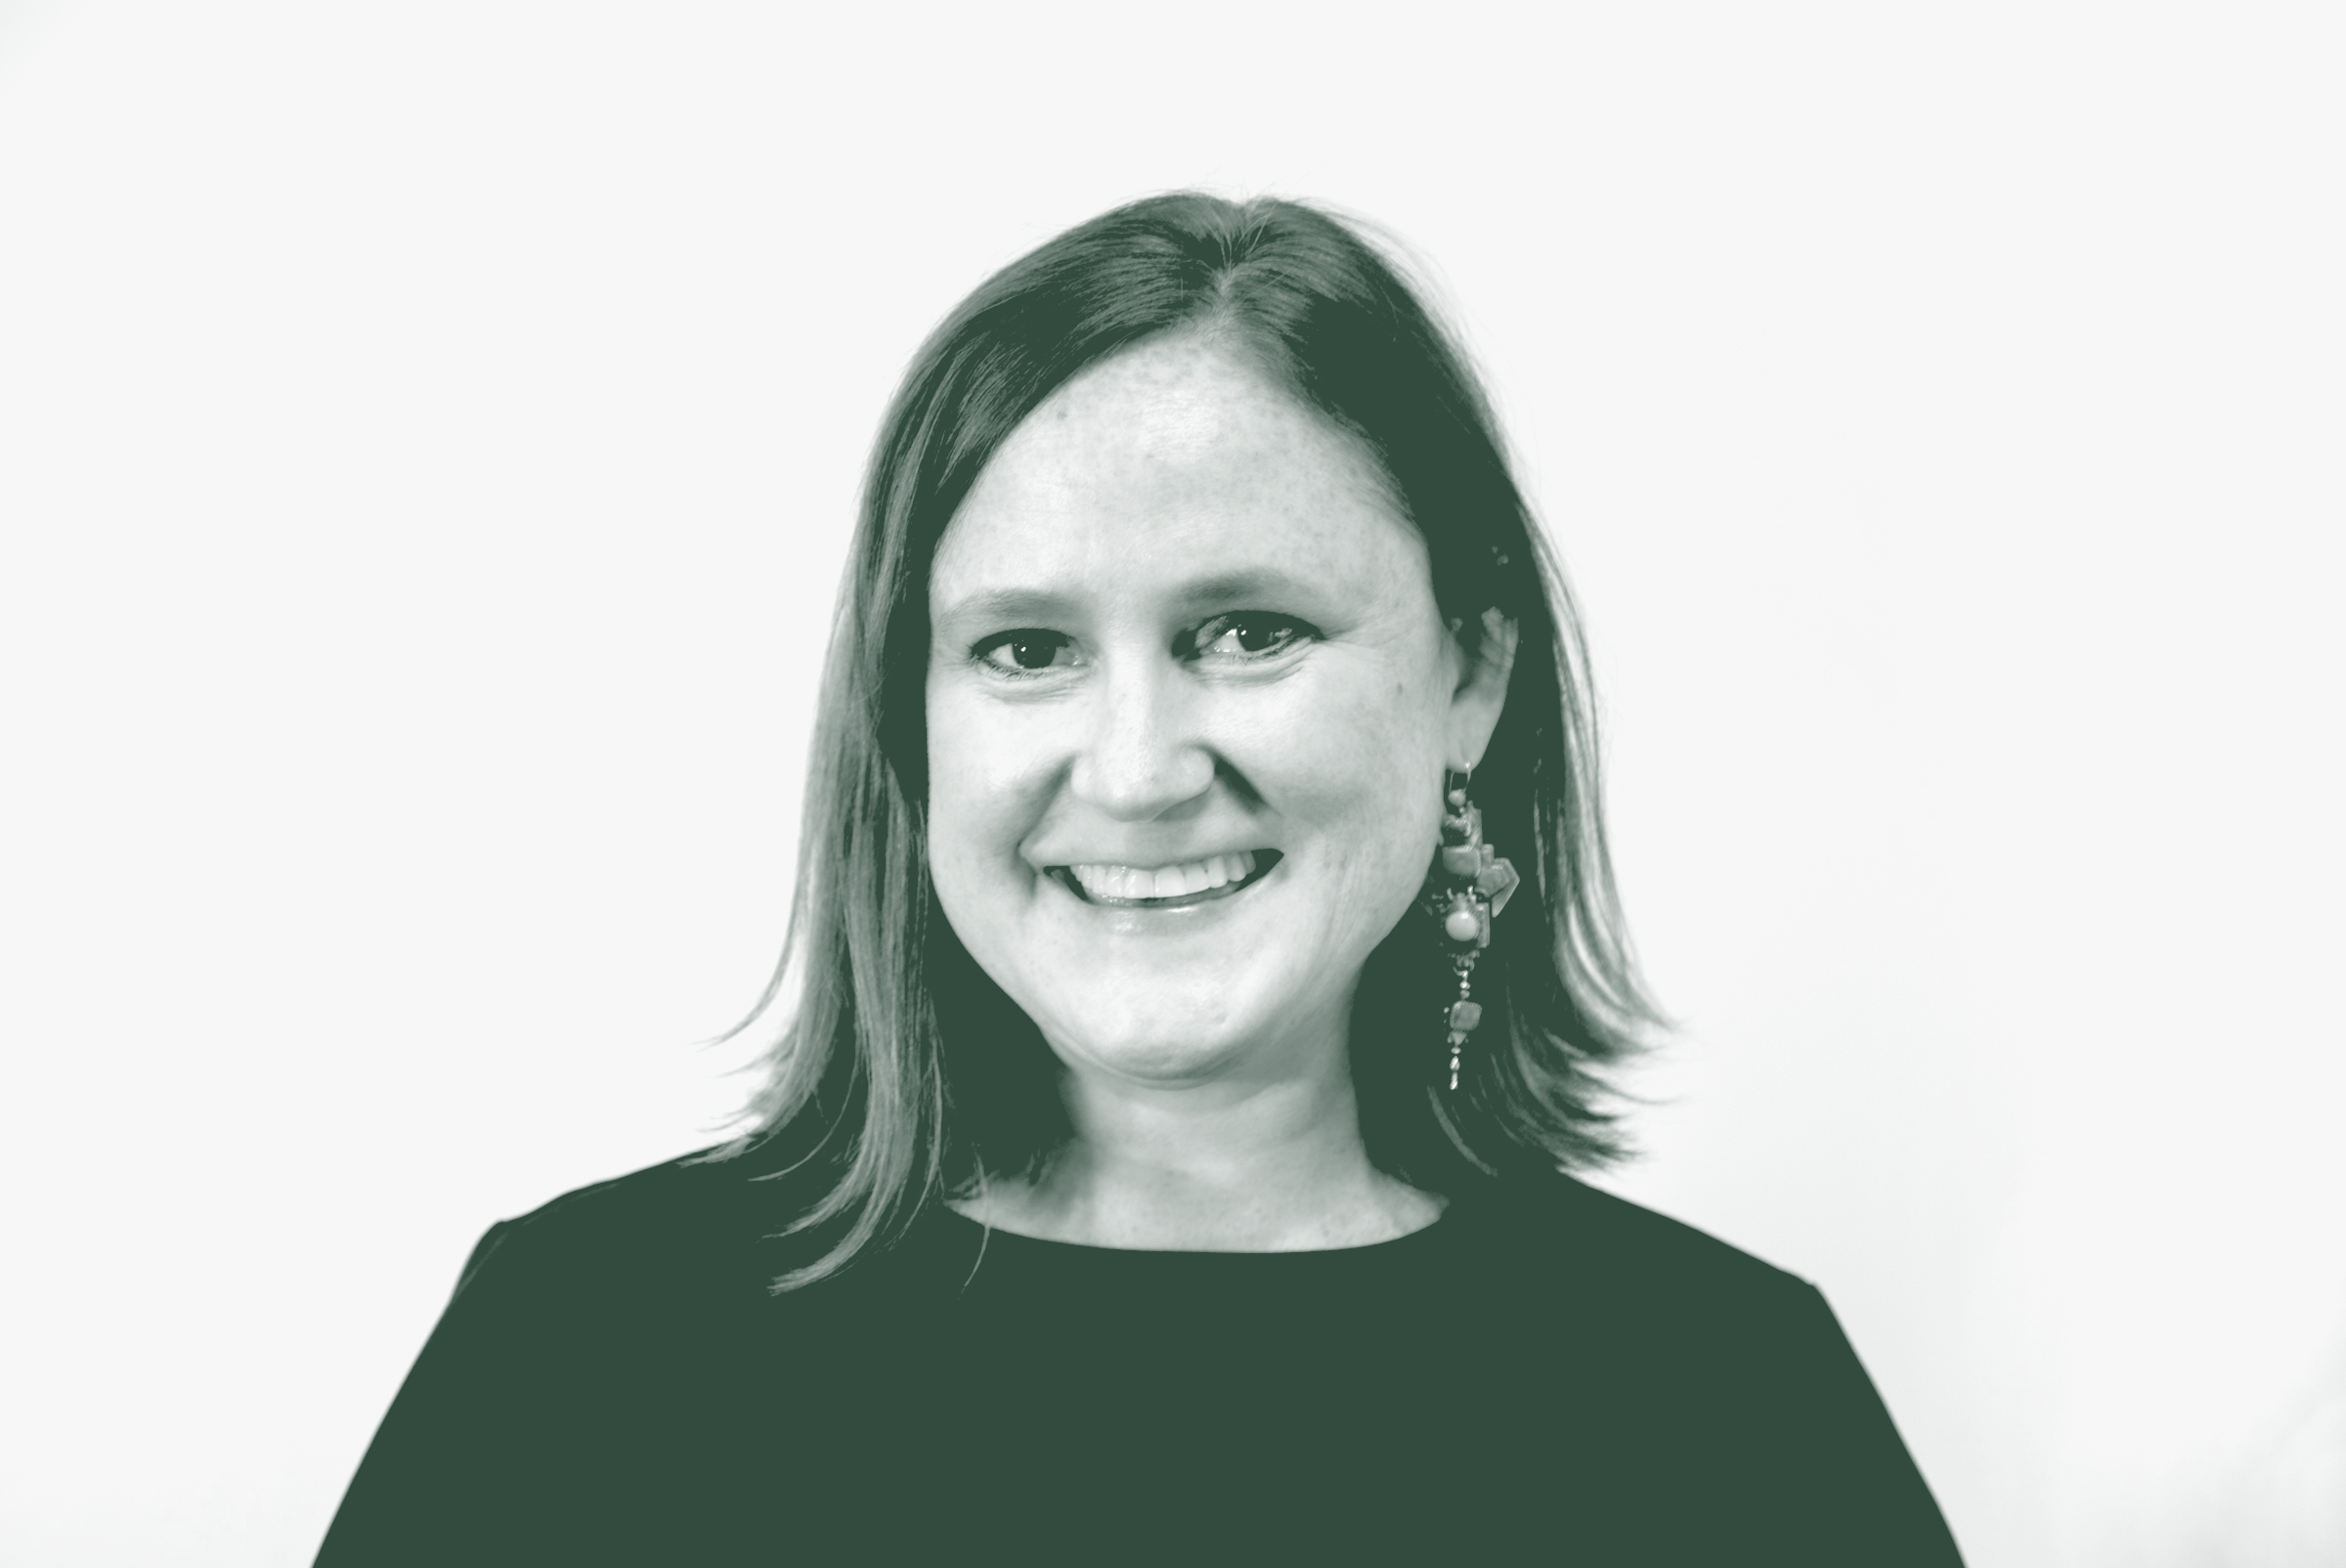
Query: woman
x: 1162, y: 1154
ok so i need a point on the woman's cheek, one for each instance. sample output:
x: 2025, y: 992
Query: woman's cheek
x: 1353, y: 756
x: 1372, y: 730
x: 962, y: 840
x: 983, y: 774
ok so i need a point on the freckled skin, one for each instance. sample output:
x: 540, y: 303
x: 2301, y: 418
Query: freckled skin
x: 1171, y: 465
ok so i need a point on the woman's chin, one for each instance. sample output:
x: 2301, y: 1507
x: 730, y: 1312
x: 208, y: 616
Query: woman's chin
x: 1164, y: 1052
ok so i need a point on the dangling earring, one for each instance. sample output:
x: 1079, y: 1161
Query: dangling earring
x: 1468, y: 885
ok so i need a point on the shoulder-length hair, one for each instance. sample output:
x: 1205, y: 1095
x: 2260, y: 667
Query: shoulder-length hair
x: 901, y: 1073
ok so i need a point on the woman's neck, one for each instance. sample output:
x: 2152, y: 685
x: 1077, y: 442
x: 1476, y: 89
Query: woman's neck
x: 1224, y: 1168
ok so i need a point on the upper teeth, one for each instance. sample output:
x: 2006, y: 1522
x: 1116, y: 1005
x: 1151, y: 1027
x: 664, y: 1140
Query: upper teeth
x: 1165, y: 881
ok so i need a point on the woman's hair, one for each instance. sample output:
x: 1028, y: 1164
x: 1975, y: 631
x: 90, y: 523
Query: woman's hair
x: 901, y: 1072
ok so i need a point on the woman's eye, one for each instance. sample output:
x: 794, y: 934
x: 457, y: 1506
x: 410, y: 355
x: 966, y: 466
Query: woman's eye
x: 1247, y: 637
x: 1024, y: 652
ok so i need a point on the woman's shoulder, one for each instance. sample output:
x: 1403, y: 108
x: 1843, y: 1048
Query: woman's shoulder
x: 1594, y: 1246
x: 658, y: 1193
x: 1667, y: 1317
x: 1721, y: 1414
x: 717, y: 1209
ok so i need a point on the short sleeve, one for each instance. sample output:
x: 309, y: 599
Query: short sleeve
x: 466, y: 1452
x: 1854, y: 1494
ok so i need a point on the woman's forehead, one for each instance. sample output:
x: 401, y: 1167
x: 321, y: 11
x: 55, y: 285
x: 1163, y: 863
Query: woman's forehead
x: 1189, y: 410
x: 1176, y: 460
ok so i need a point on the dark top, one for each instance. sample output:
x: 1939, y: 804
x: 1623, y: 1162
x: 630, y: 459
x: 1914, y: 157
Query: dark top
x: 1548, y: 1373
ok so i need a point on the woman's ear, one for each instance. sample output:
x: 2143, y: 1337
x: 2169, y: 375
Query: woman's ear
x: 1482, y: 690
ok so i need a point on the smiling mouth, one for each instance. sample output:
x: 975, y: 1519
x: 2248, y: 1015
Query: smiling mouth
x: 1173, y: 887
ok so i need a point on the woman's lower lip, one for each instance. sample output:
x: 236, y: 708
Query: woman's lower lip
x: 1267, y: 861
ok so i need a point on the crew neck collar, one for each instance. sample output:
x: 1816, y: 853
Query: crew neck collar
x: 996, y: 1236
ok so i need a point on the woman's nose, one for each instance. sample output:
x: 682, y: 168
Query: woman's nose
x: 1142, y: 755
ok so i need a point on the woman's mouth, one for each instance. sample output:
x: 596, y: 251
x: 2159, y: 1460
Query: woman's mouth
x: 1168, y: 887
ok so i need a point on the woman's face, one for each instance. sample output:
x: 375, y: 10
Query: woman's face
x: 1190, y: 701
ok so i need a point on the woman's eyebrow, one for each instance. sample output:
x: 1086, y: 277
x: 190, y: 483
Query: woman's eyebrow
x: 1260, y: 588
x: 1252, y: 588
x: 1008, y: 606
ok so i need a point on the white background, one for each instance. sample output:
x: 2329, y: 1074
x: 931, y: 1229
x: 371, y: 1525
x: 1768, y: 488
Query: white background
x: 429, y: 433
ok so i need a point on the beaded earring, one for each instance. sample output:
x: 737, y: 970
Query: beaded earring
x: 1468, y: 885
